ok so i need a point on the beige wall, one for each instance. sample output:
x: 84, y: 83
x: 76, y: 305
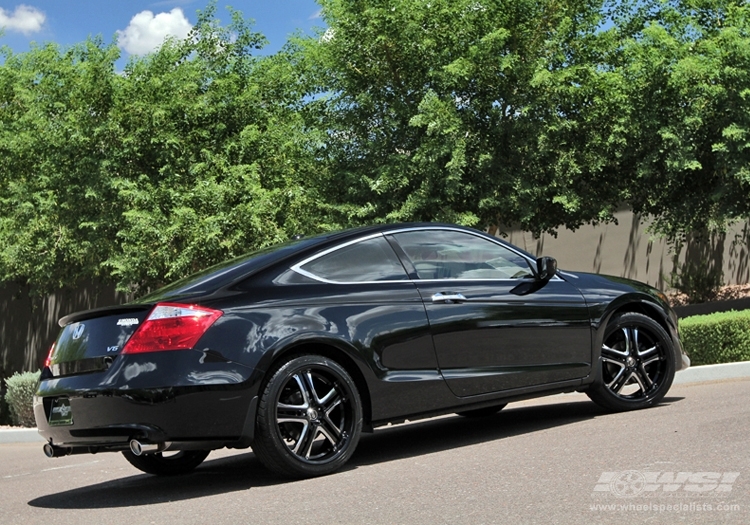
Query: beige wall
x: 627, y: 250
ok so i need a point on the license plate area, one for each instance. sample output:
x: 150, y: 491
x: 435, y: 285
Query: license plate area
x: 61, y: 413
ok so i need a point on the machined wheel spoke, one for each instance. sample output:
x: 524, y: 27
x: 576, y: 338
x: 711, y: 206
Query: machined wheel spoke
x: 304, y: 444
x: 640, y: 380
x: 299, y: 420
x: 621, y: 380
x: 617, y: 361
x: 648, y: 351
x: 335, y: 430
x: 302, y: 436
x: 613, y: 351
x: 652, y: 360
x: 330, y: 407
x: 326, y: 434
x: 644, y: 379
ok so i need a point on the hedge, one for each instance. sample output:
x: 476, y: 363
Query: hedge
x: 19, y: 396
x: 722, y: 337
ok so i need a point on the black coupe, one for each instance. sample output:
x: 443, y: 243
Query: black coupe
x: 297, y: 349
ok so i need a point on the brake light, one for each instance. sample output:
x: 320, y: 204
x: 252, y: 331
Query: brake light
x: 48, y: 361
x: 171, y: 326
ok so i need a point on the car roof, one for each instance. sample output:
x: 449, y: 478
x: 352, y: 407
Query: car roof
x: 234, y: 270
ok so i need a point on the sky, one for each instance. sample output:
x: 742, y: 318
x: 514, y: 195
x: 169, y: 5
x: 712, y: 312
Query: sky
x: 141, y: 25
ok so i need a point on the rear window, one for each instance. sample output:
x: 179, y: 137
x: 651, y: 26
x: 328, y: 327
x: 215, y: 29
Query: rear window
x: 369, y: 260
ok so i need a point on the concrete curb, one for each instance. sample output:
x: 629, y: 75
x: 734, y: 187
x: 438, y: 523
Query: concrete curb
x: 701, y: 374
x: 20, y: 435
x: 695, y: 374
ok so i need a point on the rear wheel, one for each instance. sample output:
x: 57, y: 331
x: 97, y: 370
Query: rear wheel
x: 309, y: 418
x: 482, y: 412
x: 167, y: 464
x: 637, y: 361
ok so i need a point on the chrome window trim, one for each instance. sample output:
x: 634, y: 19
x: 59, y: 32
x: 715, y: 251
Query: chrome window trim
x: 298, y: 267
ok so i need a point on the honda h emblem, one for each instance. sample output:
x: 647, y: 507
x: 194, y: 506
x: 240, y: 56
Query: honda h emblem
x: 78, y: 331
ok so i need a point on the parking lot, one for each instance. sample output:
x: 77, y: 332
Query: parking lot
x: 554, y: 460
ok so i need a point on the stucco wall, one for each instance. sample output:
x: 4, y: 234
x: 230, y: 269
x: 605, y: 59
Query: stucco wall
x: 627, y: 250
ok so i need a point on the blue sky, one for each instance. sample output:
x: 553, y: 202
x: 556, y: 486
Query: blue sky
x: 142, y: 24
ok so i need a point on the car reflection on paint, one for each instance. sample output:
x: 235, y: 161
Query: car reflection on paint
x: 297, y: 349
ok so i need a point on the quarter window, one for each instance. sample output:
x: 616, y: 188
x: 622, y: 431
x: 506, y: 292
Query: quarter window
x: 370, y: 260
x: 446, y: 254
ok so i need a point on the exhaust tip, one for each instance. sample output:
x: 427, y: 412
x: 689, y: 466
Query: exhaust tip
x: 53, y: 451
x: 139, y: 449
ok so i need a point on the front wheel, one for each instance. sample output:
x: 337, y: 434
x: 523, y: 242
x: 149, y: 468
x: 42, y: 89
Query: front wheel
x: 637, y: 364
x: 309, y: 418
x: 167, y: 464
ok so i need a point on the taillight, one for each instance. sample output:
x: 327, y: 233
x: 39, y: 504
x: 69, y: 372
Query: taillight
x: 48, y: 361
x: 171, y: 326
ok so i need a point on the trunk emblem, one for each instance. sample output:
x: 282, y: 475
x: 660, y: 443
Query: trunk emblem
x: 78, y: 331
x: 128, y: 321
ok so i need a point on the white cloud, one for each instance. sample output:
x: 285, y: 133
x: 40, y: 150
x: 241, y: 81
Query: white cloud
x: 146, y: 31
x: 317, y: 14
x: 25, y: 19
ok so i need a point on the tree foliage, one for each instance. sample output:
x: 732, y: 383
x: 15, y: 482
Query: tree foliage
x: 538, y: 113
x: 478, y: 112
x: 686, y: 74
x: 195, y: 153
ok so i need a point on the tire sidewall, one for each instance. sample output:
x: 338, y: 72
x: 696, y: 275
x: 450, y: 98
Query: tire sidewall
x: 268, y: 429
x: 601, y: 394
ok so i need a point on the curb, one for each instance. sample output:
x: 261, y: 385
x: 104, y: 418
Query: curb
x: 20, y: 435
x: 696, y: 374
x: 701, y: 374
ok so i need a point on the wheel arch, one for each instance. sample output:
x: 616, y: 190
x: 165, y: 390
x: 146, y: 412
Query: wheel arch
x: 627, y: 304
x: 331, y: 351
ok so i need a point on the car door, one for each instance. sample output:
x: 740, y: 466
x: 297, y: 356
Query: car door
x: 495, y: 327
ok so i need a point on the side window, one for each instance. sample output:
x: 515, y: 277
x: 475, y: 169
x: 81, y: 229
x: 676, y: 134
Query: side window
x: 446, y: 254
x: 370, y: 260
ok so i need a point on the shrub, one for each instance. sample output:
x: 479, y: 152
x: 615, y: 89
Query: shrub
x: 717, y: 338
x: 19, y: 396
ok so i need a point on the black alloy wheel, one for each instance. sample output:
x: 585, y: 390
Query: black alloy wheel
x: 309, y: 418
x: 167, y: 464
x: 637, y: 361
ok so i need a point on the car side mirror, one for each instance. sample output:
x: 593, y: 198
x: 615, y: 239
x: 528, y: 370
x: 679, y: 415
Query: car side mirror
x: 546, y: 267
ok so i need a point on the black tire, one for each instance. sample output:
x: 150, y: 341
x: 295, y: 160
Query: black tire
x: 309, y: 418
x: 482, y: 412
x: 157, y: 464
x: 637, y: 364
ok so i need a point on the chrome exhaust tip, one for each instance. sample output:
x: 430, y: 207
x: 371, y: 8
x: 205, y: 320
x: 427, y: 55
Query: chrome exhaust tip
x: 139, y: 449
x: 51, y: 451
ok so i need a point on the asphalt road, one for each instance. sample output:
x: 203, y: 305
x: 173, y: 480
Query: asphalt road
x: 554, y: 460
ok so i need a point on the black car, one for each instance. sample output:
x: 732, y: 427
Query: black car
x: 297, y: 349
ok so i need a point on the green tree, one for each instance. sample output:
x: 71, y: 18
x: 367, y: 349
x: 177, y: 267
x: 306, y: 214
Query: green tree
x: 479, y: 112
x: 685, y: 66
x: 196, y: 153
x: 56, y: 212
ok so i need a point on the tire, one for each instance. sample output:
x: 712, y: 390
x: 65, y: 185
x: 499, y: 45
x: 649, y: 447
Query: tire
x: 309, y: 418
x: 482, y: 412
x: 158, y: 464
x: 637, y: 364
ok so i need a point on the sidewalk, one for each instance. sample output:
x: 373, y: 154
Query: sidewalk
x: 695, y: 374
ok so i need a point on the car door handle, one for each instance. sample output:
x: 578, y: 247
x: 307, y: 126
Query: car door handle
x: 448, y: 298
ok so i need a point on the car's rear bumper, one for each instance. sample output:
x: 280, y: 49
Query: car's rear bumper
x: 111, y: 418
x: 206, y: 400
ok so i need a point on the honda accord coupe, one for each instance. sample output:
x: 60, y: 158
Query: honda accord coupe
x: 297, y: 349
